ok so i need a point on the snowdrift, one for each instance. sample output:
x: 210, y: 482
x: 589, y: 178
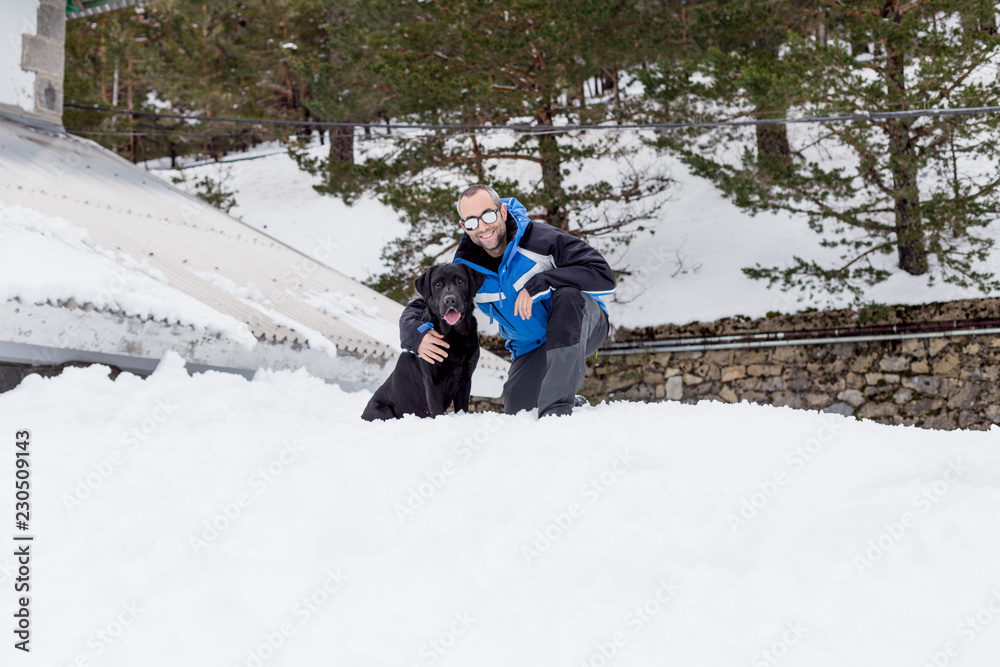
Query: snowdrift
x: 211, y: 520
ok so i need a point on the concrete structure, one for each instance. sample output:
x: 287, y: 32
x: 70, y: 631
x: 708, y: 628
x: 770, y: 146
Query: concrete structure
x: 31, y: 61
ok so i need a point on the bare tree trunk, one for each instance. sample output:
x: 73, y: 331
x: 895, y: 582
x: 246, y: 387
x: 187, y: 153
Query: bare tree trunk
x: 131, y: 107
x: 552, y: 192
x: 773, y: 150
x: 910, y: 243
x: 342, y: 145
x: 478, y: 164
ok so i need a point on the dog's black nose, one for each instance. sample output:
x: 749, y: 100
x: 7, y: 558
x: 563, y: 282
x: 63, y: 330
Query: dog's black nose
x: 450, y: 301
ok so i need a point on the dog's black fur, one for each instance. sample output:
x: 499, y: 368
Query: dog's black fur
x: 422, y: 388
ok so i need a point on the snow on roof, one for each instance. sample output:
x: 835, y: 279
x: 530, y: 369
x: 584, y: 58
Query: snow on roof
x: 82, y: 227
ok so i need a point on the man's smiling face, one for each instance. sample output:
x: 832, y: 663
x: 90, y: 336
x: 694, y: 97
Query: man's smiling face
x: 491, y: 238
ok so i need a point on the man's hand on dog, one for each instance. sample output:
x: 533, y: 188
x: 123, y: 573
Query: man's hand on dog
x: 522, y: 307
x: 432, y: 347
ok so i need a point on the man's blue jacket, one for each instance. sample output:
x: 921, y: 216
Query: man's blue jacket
x: 539, y: 258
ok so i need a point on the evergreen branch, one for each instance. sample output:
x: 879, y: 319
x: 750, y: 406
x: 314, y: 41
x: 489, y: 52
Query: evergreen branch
x: 828, y: 211
x: 425, y: 54
x: 496, y: 156
x: 913, y: 4
x: 928, y: 149
x: 448, y: 248
x: 524, y: 78
x: 866, y: 158
x: 973, y: 65
x: 887, y: 244
x: 987, y: 189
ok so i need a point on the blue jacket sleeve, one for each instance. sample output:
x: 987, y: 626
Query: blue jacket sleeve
x: 409, y: 322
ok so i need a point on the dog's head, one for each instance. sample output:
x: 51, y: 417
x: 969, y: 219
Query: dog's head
x: 450, y: 290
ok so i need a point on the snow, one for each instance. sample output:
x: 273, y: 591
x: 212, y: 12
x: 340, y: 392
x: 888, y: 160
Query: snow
x: 274, y: 196
x: 76, y: 268
x: 213, y: 520
x: 687, y: 266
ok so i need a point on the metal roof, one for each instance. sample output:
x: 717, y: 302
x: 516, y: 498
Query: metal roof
x: 76, y: 9
x: 126, y: 209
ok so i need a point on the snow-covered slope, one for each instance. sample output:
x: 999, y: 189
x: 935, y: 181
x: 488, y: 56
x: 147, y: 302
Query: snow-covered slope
x: 211, y: 520
x: 685, y: 267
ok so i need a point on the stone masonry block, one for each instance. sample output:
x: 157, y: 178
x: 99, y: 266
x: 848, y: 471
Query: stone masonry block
x: 52, y: 20
x: 42, y: 54
x: 935, y: 345
x: 48, y: 94
x: 674, y: 389
x: 730, y: 373
x: 894, y: 364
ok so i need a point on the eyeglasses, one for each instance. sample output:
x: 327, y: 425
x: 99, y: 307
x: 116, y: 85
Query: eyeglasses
x: 489, y: 217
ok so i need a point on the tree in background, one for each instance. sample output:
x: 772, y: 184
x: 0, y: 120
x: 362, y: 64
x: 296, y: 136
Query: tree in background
x: 209, y: 58
x: 919, y: 188
x: 523, y: 63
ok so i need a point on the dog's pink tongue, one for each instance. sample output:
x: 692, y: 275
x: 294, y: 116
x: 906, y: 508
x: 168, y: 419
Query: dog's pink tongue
x: 452, y: 316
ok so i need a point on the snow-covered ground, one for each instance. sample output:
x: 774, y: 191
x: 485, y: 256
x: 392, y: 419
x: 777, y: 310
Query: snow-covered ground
x: 685, y: 267
x: 213, y: 520
x: 210, y: 520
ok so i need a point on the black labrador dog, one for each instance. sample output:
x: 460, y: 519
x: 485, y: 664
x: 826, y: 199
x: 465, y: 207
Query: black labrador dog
x: 424, y: 389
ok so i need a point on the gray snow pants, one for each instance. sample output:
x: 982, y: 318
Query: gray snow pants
x: 549, y: 376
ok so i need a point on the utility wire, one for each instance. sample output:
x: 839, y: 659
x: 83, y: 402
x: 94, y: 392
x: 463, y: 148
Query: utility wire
x: 559, y: 129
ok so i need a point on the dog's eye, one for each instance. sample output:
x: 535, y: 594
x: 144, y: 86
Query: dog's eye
x: 438, y: 283
x: 459, y: 281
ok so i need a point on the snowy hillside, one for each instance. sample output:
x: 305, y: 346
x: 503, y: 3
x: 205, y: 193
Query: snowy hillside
x: 686, y: 267
x: 211, y: 520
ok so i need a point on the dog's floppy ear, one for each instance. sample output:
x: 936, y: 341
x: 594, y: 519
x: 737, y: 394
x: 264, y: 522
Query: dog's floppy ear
x: 423, y: 283
x: 476, y: 279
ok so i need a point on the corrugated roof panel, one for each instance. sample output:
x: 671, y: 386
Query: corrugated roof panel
x: 126, y: 209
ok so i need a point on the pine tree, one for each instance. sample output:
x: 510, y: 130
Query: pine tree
x: 919, y: 188
x: 206, y: 58
x: 475, y: 62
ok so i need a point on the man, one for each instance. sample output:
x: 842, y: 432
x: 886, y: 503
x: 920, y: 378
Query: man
x: 542, y: 285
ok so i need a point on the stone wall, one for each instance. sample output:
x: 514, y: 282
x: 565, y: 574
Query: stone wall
x: 942, y: 383
x: 935, y: 383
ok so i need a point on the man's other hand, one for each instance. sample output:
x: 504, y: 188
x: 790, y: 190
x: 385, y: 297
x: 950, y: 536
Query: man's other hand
x: 522, y: 307
x: 432, y: 347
